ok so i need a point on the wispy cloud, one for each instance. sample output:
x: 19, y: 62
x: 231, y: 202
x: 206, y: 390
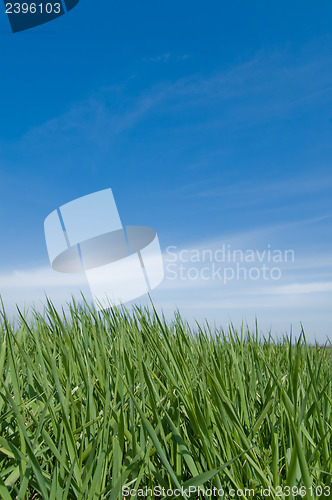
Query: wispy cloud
x: 167, y: 57
x: 40, y: 277
x: 301, y: 294
x: 261, y: 190
x: 95, y: 121
x: 268, y: 86
x: 160, y: 58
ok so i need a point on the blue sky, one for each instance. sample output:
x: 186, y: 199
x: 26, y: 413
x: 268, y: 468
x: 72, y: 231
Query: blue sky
x: 211, y: 122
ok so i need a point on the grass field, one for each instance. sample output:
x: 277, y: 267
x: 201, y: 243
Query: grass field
x: 102, y: 405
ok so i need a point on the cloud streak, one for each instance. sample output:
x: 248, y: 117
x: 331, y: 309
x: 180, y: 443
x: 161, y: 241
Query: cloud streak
x: 302, y: 294
x: 271, y: 84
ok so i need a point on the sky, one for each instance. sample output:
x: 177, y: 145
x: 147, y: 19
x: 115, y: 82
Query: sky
x: 210, y: 121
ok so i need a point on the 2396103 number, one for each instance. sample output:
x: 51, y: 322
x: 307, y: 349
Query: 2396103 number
x: 33, y: 8
x: 294, y: 491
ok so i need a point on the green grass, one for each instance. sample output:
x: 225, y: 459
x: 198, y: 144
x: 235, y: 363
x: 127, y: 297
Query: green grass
x: 91, y: 402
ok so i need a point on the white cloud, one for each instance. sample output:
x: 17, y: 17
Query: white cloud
x: 302, y: 295
x: 42, y: 278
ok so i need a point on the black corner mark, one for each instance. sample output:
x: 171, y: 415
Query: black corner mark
x: 70, y: 4
x: 26, y: 14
